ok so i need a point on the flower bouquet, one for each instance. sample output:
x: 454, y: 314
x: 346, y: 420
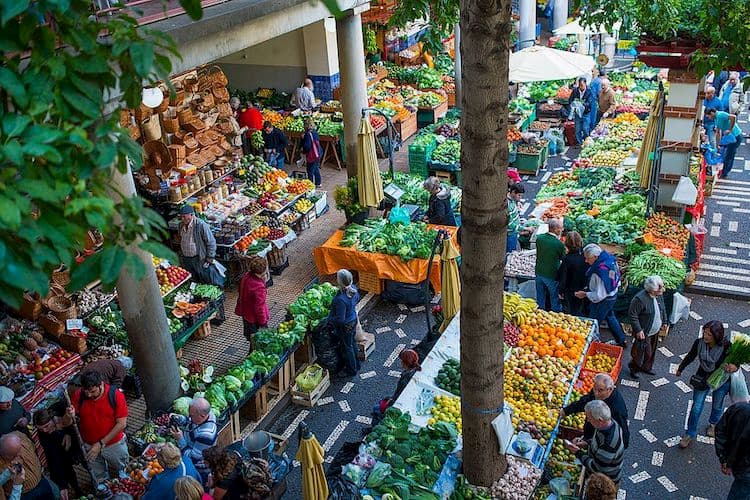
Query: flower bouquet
x: 739, y: 354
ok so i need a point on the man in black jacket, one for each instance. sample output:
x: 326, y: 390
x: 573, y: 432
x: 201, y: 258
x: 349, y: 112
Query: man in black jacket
x: 732, y: 442
x: 604, y: 390
x: 581, y: 103
x: 274, y: 145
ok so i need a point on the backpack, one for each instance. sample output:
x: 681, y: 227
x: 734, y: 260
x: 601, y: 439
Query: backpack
x: 314, y: 154
x: 111, y: 394
x: 257, y: 477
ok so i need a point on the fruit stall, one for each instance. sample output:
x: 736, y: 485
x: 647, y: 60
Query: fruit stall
x: 379, y: 250
x: 547, y: 358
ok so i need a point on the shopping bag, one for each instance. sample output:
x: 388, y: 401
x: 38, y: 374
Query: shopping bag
x: 738, y: 387
x: 680, y: 309
x: 309, y: 378
x: 399, y: 215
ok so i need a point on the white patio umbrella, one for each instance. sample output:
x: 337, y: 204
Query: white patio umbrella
x: 575, y: 28
x: 540, y: 64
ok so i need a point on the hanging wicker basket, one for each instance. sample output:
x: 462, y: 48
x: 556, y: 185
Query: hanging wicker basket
x: 62, y: 307
x: 61, y: 278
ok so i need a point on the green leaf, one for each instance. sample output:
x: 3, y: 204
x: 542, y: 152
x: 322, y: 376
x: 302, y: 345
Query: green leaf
x: 159, y: 250
x: 112, y: 261
x: 85, y: 272
x: 12, y: 8
x: 10, y: 215
x: 142, y: 54
x: 80, y: 102
x: 42, y: 134
x: 14, y: 124
x: 39, y: 189
x: 13, y: 85
x: 193, y: 9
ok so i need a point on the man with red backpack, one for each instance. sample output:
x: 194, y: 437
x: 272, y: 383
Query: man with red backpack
x: 313, y: 152
x: 102, y: 417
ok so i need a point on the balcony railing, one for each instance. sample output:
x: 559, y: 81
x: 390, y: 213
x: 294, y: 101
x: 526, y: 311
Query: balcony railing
x: 145, y: 11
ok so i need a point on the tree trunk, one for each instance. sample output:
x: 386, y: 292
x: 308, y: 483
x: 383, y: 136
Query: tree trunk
x: 485, y: 48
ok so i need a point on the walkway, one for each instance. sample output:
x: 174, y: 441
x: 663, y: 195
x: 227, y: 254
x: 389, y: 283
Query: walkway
x: 725, y: 264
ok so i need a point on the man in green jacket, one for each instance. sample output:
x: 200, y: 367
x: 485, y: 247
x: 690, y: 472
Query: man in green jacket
x: 549, y: 253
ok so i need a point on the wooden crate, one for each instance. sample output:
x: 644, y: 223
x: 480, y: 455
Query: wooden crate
x: 227, y: 434
x: 310, y: 399
x: 257, y: 406
x: 451, y: 99
x: 370, y: 282
x: 283, y: 379
x: 305, y: 354
x: 203, y: 331
x: 365, y: 347
x: 407, y: 127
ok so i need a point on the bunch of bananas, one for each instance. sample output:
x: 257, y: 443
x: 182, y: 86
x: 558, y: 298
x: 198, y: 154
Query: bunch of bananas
x: 517, y: 309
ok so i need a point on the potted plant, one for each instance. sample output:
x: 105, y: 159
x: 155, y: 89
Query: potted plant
x: 347, y: 200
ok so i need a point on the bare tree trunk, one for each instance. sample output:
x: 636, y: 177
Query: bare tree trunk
x: 485, y: 48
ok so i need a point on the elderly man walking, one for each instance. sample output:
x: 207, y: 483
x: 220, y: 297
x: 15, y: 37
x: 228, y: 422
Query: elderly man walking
x: 604, y: 390
x: 200, y: 433
x: 604, y: 451
x: 604, y: 280
x: 549, y: 253
x: 647, y: 316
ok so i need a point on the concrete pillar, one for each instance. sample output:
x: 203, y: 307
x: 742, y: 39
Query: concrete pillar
x: 559, y: 14
x: 353, y: 82
x: 527, y: 15
x: 322, y: 57
x: 583, y: 44
x: 146, y: 321
x: 457, y: 50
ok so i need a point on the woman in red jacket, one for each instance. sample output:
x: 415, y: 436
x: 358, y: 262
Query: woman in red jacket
x: 251, y: 304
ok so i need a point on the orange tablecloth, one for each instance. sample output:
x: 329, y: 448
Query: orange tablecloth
x: 330, y: 257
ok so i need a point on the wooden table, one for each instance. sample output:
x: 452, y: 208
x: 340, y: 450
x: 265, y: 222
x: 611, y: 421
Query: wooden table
x: 328, y: 142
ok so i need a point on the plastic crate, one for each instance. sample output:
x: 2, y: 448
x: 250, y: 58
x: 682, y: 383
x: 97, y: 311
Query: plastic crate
x: 370, y: 283
x: 611, y: 350
x: 528, y: 163
x: 445, y: 167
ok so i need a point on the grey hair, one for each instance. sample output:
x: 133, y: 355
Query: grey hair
x: 653, y: 283
x: 431, y: 183
x: 598, y: 410
x: 345, y: 281
x: 234, y: 100
x: 605, y: 81
x: 734, y: 74
x: 592, y: 250
x: 554, y: 224
x: 709, y: 88
x: 605, y: 379
x: 202, y: 405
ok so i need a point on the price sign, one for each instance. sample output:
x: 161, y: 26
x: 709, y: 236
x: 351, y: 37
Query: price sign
x: 74, y: 324
x: 164, y: 264
x: 192, y: 286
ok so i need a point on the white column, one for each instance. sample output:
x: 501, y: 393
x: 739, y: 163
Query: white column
x: 353, y: 82
x: 322, y: 57
x: 457, y: 49
x: 559, y: 14
x: 527, y: 14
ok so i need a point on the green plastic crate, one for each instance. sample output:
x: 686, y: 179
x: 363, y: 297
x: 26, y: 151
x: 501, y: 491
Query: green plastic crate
x: 528, y: 163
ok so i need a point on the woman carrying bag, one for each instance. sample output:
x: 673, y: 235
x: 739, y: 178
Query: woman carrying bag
x: 251, y: 303
x: 711, y: 350
x: 343, y: 320
x: 313, y: 152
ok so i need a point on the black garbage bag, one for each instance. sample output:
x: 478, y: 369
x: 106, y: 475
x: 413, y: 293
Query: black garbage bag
x: 346, y: 455
x: 342, y: 488
x: 326, y: 347
x: 406, y: 293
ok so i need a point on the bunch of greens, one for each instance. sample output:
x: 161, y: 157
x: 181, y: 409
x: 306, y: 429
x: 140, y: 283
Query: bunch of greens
x: 653, y: 262
x: 428, y: 78
x: 271, y: 341
x: 739, y: 354
x: 380, y: 236
x: 591, y: 177
x: 312, y: 306
x: 627, y: 209
x: 448, y: 153
x: 108, y: 322
x: 263, y: 363
x: 520, y: 105
x: 428, y: 100
x: 445, y: 65
x: 635, y: 248
x: 562, y: 189
x: 595, y: 230
x: 414, y: 460
x: 210, y: 292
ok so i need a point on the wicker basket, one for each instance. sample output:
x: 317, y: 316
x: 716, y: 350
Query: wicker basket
x: 142, y: 112
x: 224, y: 127
x: 184, y: 116
x: 52, y: 325
x: 61, y: 277
x: 205, y: 139
x: 220, y: 92
x: 177, y: 152
x: 62, y: 307
x: 225, y: 110
x: 190, y: 84
x: 161, y: 108
x: 135, y: 132
x: 73, y: 343
x: 211, y: 76
x: 171, y: 124
x: 195, y: 125
x: 176, y: 98
x: 215, y: 150
x: 190, y: 142
x: 31, y: 307
x: 125, y: 120
x: 196, y: 159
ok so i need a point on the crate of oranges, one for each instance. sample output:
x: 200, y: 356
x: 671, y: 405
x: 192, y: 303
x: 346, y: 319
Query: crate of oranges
x: 603, y: 358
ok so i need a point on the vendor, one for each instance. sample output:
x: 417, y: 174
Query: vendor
x: 251, y: 119
x: 409, y: 367
x: 606, y: 99
x: 13, y: 416
x: 303, y: 97
x: 274, y: 145
x: 440, y: 211
x: 514, y: 217
x: 728, y: 136
x: 112, y: 371
x: 343, y: 320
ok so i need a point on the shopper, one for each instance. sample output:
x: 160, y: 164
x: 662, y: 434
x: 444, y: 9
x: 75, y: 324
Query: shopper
x: 200, y: 433
x: 274, y: 145
x: 187, y: 488
x: 439, y: 210
x: 303, y: 97
x: 313, y: 152
x: 732, y: 442
x: 603, y: 277
x: 731, y: 95
x: 198, y: 253
x: 581, y: 102
x: 62, y: 449
x: 13, y: 416
x: 549, y: 253
x: 604, y: 390
x: 251, y: 119
x: 606, y: 101
x: 175, y: 466
x: 728, y: 137
x: 710, y: 350
x: 604, y: 451
x: 251, y: 303
x: 596, y: 88
x: 112, y: 371
x: 600, y: 487
x: 647, y: 316
x: 343, y: 320
x: 102, y: 417
x: 21, y: 473
x: 515, y: 191
x: 226, y: 477
x: 571, y: 276
x: 710, y: 102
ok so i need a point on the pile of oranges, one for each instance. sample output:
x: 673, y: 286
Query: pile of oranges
x: 555, y: 334
x: 260, y: 232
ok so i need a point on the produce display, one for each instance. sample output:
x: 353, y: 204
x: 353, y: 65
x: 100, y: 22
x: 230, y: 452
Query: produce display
x: 313, y: 306
x: 518, y: 482
x: 446, y: 409
x: 449, y: 377
x: 521, y: 263
x: 600, y: 362
x: 380, y: 236
x: 667, y: 235
x: 448, y: 153
x: 654, y: 262
x: 278, y: 341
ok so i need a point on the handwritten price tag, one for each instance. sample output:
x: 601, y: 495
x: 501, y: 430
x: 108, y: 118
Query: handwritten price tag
x: 74, y: 324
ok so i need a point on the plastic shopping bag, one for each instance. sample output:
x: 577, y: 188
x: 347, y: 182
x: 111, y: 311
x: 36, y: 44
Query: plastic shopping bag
x: 310, y: 378
x: 738, y: 387
x: 680, y: 309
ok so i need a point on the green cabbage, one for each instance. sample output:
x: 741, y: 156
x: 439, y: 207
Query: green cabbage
x: 182, y: 405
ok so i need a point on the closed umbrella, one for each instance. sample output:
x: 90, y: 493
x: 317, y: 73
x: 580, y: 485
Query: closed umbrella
x: 310, y: 457
x: 369, y: 184
x: 450, y: 291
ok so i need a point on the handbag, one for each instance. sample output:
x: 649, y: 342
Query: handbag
x: 699, y: 382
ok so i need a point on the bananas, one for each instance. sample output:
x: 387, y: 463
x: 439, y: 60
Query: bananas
x: 516, y: 309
